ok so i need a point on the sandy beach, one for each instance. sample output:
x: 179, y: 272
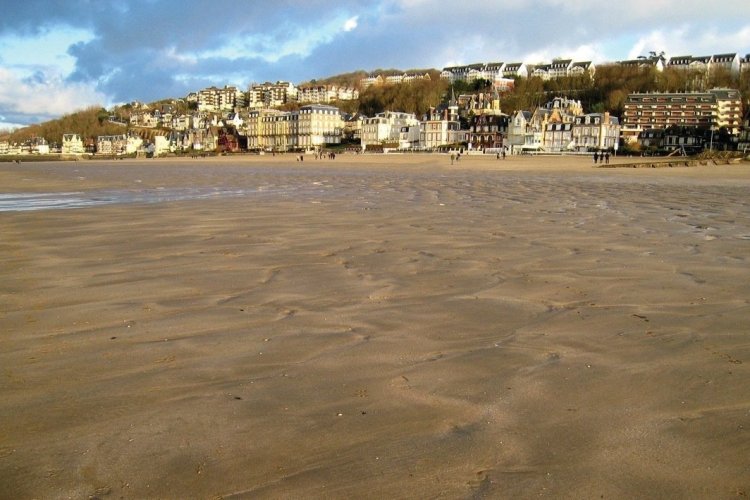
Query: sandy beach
x: 374, y: 327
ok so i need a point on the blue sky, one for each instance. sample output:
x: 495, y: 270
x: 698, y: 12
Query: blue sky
x: 60, y: 56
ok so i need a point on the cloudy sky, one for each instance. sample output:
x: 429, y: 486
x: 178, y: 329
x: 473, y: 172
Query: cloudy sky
x: 60, y: 56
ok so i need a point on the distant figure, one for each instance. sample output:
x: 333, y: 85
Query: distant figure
x: 596, y: 157
x: 497, y: 156
x: 606, y: 157
x: 453, y: 158
x: 503, y: 153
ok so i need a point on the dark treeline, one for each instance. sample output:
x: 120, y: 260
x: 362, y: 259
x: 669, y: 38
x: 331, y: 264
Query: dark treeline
x: 88, y: 123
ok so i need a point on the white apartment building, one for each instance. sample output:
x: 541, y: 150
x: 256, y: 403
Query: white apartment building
x: 255, y: 127
x: 473, y: 72
x: 269, y: 95
x: 318, y: 125
x: 370, y: 81
x: 309, y: 128
x: 111, y: 144
x: 441, y: 132
x: 325, y: 94
x: 515, y: 70
x: 387, y: 127
x: 558, y: 137
x: 216, y: 99
x: 72, y: 144
x: 392, y: 79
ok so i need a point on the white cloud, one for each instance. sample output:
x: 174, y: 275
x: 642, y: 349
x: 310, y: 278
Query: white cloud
x: 682, y: 41
x: 45, y: 96
x: 351, y: 23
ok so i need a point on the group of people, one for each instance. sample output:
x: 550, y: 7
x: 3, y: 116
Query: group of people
x: 319, y: 156
x: 602, y: 157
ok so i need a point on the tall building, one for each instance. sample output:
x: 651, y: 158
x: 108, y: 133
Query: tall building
x: 269, y: 95
x: 318, y: 125
x: 216, y: 99
x: 713, y: 109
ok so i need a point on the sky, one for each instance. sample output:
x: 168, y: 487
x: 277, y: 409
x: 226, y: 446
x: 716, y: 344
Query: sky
x: 57, y: 57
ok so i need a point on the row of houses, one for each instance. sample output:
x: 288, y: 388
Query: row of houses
x: 498, y: 71
x: 560, y: 125
x: 268, y: 95
x: 377, y: 79
x: 501, y: 74
x: 557, y: 126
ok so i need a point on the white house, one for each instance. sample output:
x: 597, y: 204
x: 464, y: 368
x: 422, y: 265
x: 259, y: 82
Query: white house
x: 387, y: 127
x: 596, y: 131
x: 72, y: 144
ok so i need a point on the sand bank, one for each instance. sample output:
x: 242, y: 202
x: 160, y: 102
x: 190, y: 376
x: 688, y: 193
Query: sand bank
x: 373, y: 327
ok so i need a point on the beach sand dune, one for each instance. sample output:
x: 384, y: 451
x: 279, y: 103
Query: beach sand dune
x: 375, y: 327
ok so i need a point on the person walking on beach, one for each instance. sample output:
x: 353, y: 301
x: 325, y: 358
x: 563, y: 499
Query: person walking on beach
x: 596, y: 157
x: 606, y: 157
x: 453, y: 158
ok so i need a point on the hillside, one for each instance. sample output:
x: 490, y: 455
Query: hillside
x: 353, y: 78
x: 88, y: 123
x: 607, y: 91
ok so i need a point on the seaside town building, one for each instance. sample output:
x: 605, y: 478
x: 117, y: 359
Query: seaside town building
x: 392, y: 79
x: 386, y: 127
x: 594, y: 131
x: 705, y: 64
x: 515, y: 70
x: 219, y: 99
x: 269, y: 95
x: 656, y: 63
x: 318, y: 125
x: 518, y: 128
x: 370, y: 81
x: 713, y: 109
x: 442, y: 127
x: 492, y: 72
x: 309, y: 128
x: 745, y: 64
x: 497, y: 71
x: 72, y: 144
x: 487, y: 131
x: 325, y: 94
x: 688, y: 140
x: 743, y: 139
x: 558, y: 136
x: 118, y: 144
x: 438, y: 131
x: 352, y: 126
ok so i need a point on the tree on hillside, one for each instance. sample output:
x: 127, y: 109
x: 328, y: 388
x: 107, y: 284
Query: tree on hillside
x: 89, y: 123
x: 414, y: 97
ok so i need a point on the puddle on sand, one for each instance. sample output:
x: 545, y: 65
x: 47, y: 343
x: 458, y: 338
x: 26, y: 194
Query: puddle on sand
x: 20, y: 202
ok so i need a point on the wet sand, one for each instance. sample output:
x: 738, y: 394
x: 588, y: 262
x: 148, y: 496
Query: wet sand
x: 377, y: 327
